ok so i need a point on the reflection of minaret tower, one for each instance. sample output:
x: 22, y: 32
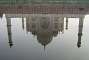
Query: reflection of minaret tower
x: 66, y: 23
x: 9, y: 32
x: 80, y: 32
x: 23, y: 23
x: 27, y: 23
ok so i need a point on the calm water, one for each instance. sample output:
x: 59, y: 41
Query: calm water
x: 44, y: 37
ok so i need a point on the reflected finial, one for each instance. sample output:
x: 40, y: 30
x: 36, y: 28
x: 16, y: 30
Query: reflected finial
x: 79, y: 44
x: 10, y: 44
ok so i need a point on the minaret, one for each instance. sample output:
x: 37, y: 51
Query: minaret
x: 66, y: 23
x: 80, y: 31
x: 9, y: 32
x: 23, y: 23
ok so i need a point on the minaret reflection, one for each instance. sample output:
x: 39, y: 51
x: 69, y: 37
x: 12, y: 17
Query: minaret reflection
x: 27, y: 24
x: 23, y: 23
x: 66, y: 23
x: 45, y: 28
x: 80, y: 31
x: 9, y: 32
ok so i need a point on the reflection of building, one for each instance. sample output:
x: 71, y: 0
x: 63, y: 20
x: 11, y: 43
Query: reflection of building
x: 9, y: 32
x: 45, y: 27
